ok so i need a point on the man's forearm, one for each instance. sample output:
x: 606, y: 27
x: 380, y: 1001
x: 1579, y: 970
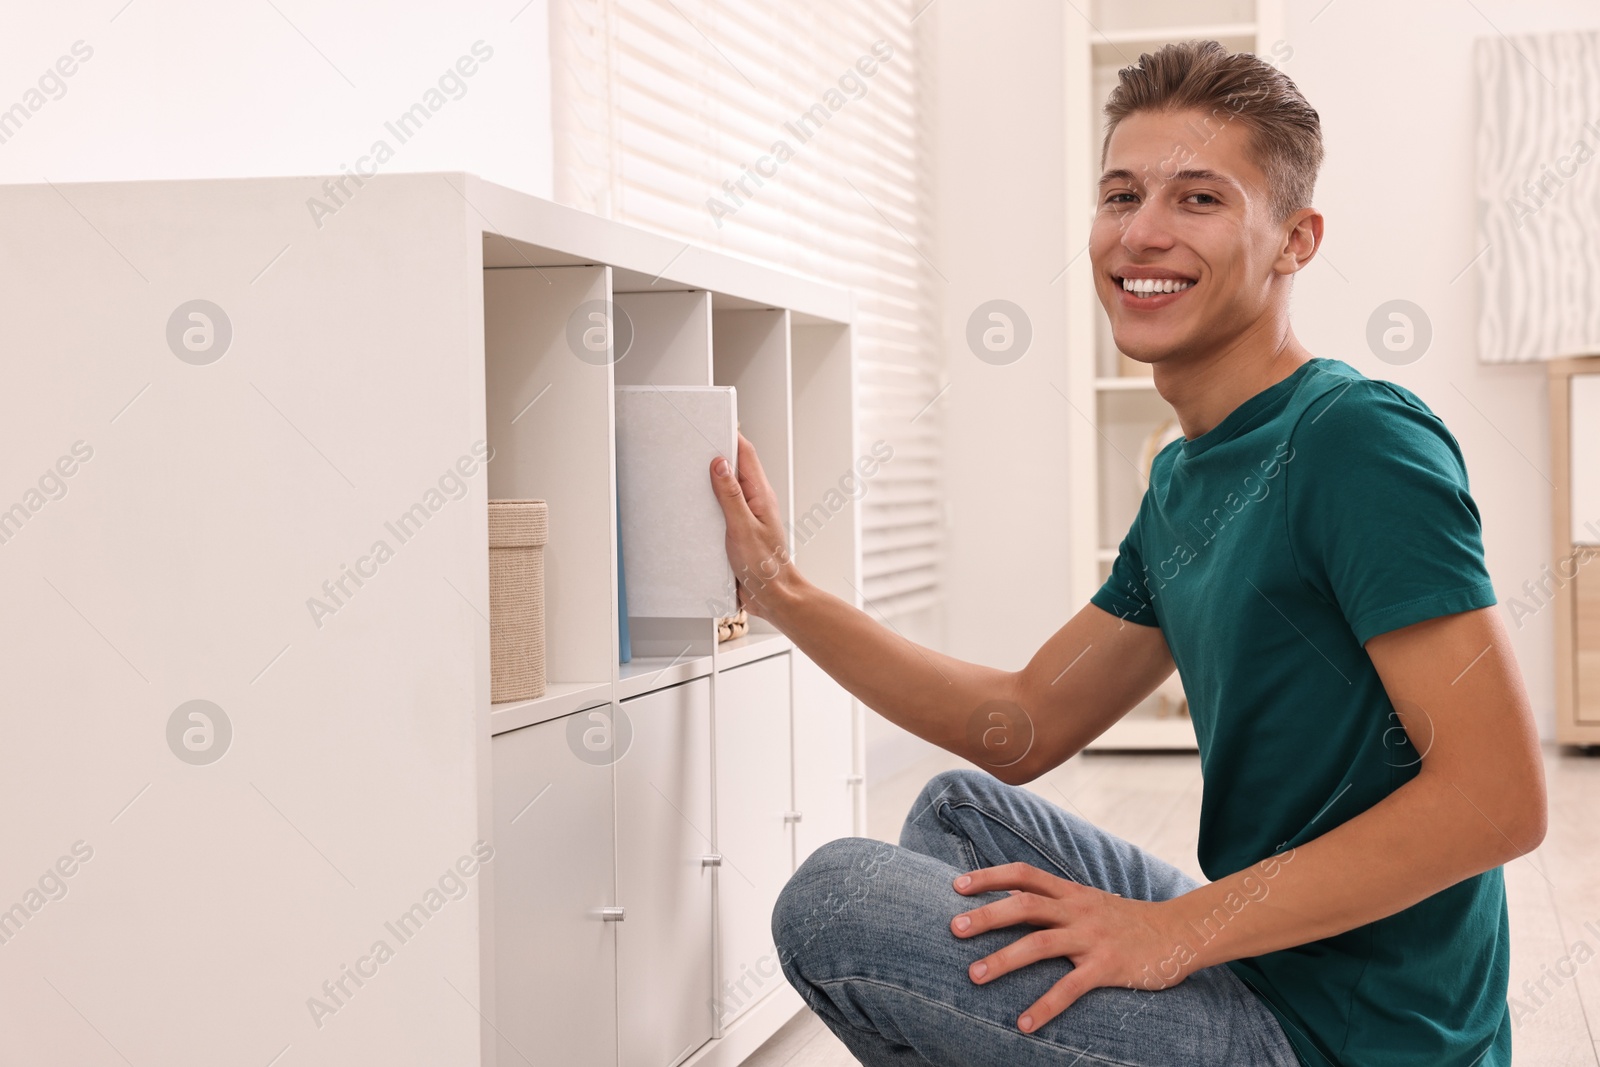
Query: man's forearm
x: 1017, y: 725
x: 1423, y: 838
x: 1477, y: 801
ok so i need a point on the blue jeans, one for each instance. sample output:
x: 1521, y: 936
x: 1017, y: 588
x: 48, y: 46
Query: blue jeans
x: 863, y: 933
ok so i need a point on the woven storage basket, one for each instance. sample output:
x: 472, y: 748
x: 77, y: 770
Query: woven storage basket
x: 518, y: 530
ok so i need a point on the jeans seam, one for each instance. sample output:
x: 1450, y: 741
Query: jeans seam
x: 1066, y: 868
x: 1055, y: 1047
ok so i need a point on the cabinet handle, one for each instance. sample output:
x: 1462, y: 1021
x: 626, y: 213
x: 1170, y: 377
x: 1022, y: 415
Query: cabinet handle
x: 613, y: 915
x: 713, y: 860
x: 793, y: 816
x: 854, y: 779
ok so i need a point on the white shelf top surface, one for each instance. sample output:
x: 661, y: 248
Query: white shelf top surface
x: 522, y: 230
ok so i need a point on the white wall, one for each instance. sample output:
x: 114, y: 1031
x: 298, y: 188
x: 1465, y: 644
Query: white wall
x: 1395, y: 89
x: 999, y: 235
x: 1001, y: 227
x: 1397, y: 189
x: 189, y: 89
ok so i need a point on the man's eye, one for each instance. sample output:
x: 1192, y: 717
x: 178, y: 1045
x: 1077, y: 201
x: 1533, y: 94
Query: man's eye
x: 1120, y: 198
x: 1204, y: 198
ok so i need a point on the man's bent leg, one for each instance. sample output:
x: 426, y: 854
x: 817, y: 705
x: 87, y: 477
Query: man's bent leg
x: 863, y: 932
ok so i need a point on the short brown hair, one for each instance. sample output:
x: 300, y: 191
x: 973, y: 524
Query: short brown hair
x: 1204, y: 76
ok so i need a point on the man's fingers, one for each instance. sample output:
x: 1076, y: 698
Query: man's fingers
x: 1056, y: 1000
x: 753, y: 480
x: 749, y: 462
x: 1022, y: 876
x: 1025, y: 950
x: 729, y: 493
x: 997, y: 915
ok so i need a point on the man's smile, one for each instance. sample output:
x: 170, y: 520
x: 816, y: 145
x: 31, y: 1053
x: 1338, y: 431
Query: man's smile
x: 1148, y: 288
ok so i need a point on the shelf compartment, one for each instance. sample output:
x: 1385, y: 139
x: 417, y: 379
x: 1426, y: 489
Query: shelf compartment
x: 673, y: 534
x: 825, y: 540
x: 548, y: 415
x: 670, y: 348
x: 670, y: 338
x: 750, y: 352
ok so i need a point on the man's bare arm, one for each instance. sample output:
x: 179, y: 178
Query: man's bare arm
x: 1016, y: 724
x: 1477, y: 801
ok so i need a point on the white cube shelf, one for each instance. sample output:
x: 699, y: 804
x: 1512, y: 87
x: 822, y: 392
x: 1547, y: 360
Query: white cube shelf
x: 283, y: 429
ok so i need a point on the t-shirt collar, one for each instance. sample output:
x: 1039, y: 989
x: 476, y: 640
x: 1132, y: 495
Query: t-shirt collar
x: 1240, y: 417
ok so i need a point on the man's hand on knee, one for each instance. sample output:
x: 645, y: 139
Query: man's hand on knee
x: 1110, y: 940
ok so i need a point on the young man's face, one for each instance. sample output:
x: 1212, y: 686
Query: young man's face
x: 1184, y: 207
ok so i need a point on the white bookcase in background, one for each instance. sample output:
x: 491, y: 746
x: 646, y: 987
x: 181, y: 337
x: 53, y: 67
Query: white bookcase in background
x: 734, y: 747
x: 1118, y: 403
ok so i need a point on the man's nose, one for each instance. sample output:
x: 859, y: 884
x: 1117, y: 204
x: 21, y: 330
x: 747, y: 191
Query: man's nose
x: 1147, y: 227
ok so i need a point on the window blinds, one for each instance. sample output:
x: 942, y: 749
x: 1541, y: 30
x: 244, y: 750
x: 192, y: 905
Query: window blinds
x: 798, y: 135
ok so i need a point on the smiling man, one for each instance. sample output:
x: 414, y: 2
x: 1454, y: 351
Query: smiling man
x: 1309, y: 559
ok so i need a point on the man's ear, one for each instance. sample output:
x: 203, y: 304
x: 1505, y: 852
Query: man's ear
x: 1302, y: 236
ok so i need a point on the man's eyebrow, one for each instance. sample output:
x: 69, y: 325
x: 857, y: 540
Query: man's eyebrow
x: 1122, y: 174
x: 1203, y: 176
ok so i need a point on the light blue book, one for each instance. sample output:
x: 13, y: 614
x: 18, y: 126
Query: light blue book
x: 624, y: 642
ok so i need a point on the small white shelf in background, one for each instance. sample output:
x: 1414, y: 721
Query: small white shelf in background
x: 646, y: 674
x: 1584, y: 455
x: 560, y: 698
x: 1144, y: 732
x: 750, y: 647
x: 1120, y: 411
x: 1159, y: 35
x: 1128, y: 383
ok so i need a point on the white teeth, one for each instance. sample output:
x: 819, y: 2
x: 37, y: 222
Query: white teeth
x: 1145, y: 286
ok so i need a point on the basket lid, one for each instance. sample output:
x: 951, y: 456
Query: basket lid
x: 518, y: 523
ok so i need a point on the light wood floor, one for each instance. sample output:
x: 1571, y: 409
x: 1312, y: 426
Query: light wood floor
x: 1154, y: 801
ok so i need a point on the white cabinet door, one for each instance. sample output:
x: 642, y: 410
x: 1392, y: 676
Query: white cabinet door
x: 555, y: 957
x: 825, y: 770
x: 753, y: 796
x: 663, y: 835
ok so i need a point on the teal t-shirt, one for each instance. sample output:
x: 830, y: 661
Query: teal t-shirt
x: 1324, y: 510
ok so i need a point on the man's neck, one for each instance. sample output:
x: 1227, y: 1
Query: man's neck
x: 1203, y: 387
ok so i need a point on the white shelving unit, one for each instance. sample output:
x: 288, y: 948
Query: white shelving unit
x: 716, y: 783
x: 623, y: 917
x: 1115, y: 396
x: 1575, y: 471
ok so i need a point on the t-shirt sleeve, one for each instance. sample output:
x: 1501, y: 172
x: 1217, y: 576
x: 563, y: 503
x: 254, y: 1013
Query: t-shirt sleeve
x: 1380, y: 518
x: 1124, y: 593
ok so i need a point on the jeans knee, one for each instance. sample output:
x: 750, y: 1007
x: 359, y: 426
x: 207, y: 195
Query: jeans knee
x: 825, y: 903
